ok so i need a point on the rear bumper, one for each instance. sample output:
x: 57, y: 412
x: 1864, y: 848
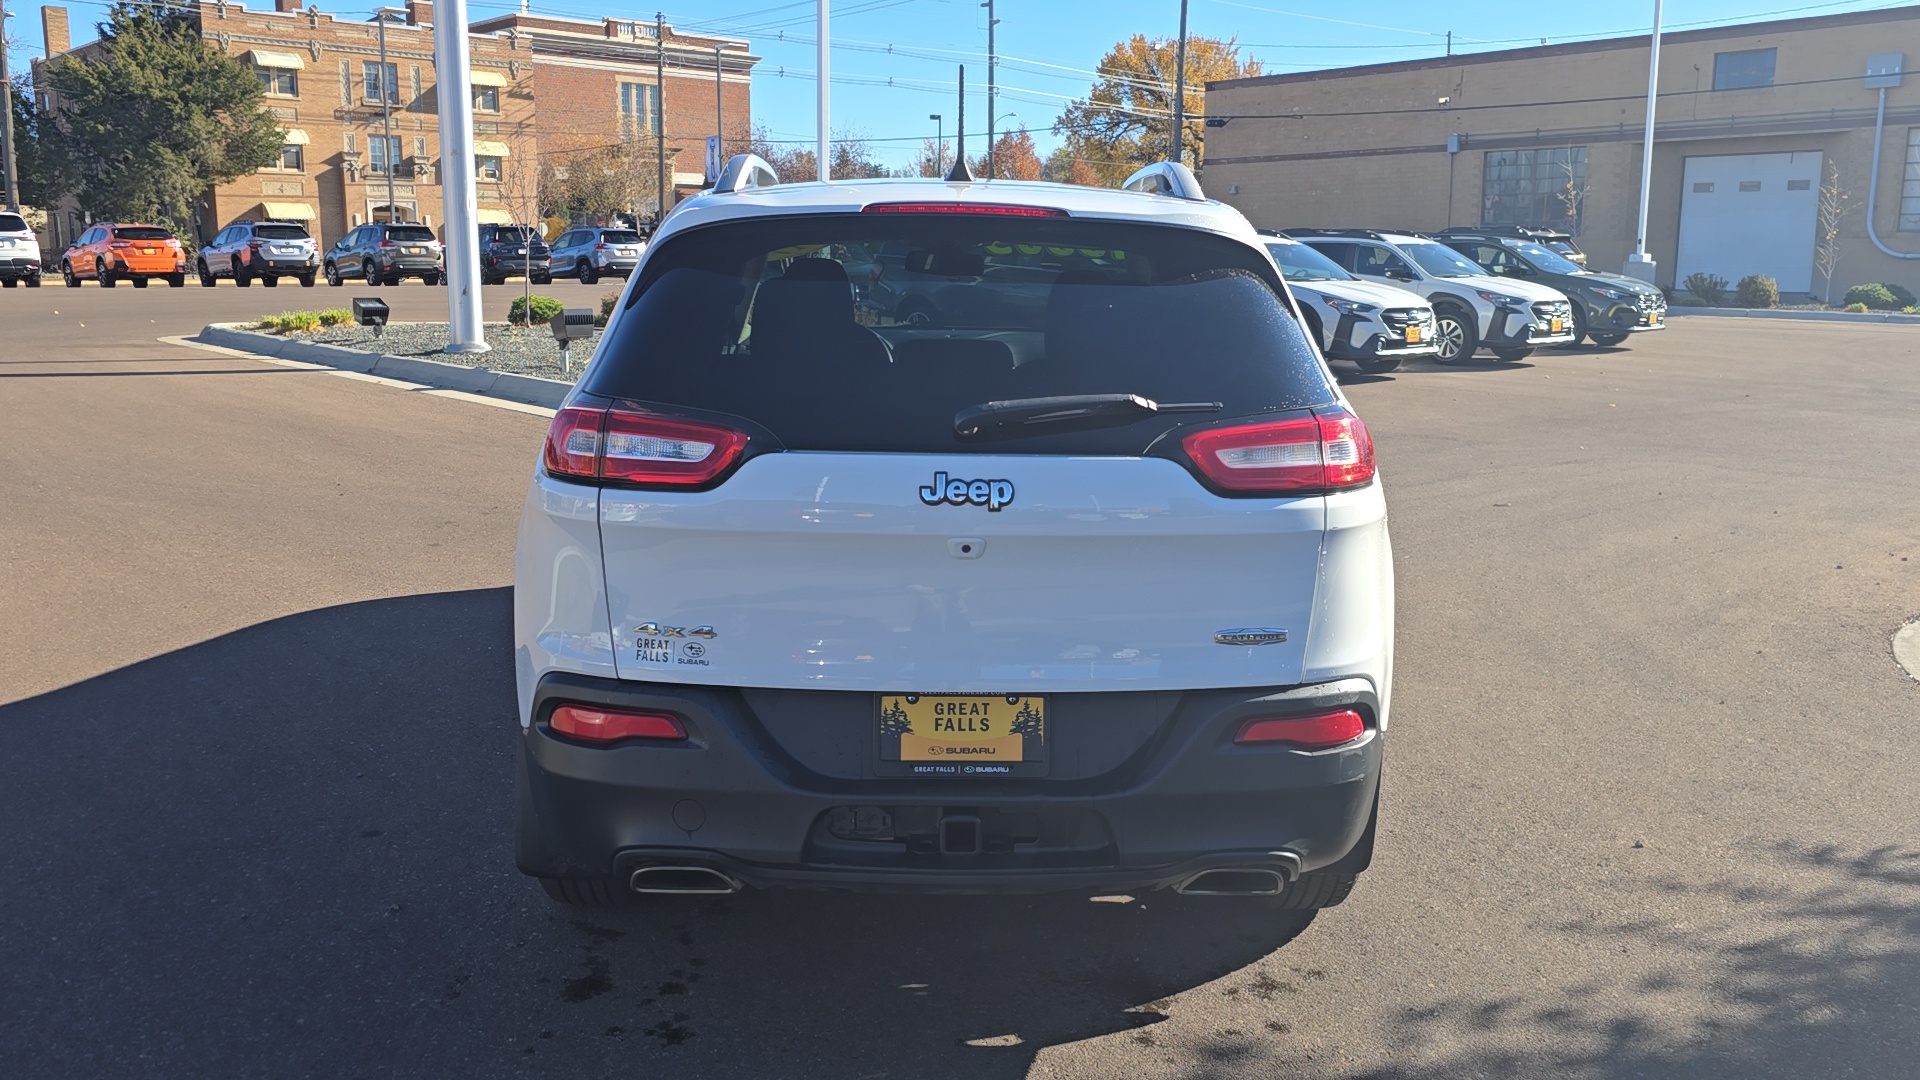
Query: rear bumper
x: 733, y: 799
x: 18, y: 267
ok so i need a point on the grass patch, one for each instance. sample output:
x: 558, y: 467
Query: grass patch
x: 304, y: 322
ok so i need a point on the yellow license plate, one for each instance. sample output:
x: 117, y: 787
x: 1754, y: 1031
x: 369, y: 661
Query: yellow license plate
x: 146, y: 251
x: 956, y: 734
x: 415, y: 250
x: 1556, y: 326
x: 1413, y: 335
x: 1653, y: 320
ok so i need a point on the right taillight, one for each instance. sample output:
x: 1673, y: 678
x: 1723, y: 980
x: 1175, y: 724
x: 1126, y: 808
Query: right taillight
x: 1327, y: 451
x: 639, y: 448
x: 1318, y: 731
x: 590, y: 723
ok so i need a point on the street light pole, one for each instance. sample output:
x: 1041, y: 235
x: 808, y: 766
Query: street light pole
x: 939, y: 145
x: 660, y: 111
x: 992, y: 88
x: 452, y: 66
x: 1180, y: 87
x: 823, y: 167
x: 1640, y: 264
x: 6, y: 99
x: 387, y: 91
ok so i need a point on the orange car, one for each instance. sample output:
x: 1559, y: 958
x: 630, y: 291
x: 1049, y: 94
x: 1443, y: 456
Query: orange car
x: 111, y: 253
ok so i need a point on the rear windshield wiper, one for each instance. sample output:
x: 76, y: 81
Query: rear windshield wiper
x: 1007, y: 417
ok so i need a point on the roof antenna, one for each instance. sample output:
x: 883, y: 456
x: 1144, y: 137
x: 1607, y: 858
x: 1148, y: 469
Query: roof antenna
x: 960, y: 174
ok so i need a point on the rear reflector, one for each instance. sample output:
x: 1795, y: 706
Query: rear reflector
x: 606, y: 725
x: 1316, y: 732
x: 1325, y: 452
x: 639, y: 448
x: 965, y: 208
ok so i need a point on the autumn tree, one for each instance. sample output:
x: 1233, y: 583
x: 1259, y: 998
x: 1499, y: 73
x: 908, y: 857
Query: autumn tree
x: 1126, y: 120
x: 933, y: 160
x: 1014, y: 158
x: 852, y: 157
x: 1063, y: 166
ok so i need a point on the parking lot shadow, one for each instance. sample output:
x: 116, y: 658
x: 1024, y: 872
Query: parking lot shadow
x: 284, y: 852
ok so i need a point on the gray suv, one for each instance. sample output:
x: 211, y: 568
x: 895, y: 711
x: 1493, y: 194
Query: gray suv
x: 267, y: 250
x: 382, y: 254
x: 590, y: 251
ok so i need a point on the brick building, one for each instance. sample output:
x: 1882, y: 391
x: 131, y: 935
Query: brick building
x: 1749, y: 120
x: 323, y: 81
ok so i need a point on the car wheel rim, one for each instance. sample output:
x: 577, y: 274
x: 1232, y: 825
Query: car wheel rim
x: 1453, y: 337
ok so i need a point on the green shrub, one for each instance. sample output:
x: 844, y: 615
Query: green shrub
x: 544, y: 309
x: 1911, y: 310
x: 1875, y: 297
x: 1857, y: 309
x: 305, y: 322
x: 607, y: 304
x: 1757, y: 291
x: 335, y: 316
x: 1709, y: 289
x: 1901, y: 295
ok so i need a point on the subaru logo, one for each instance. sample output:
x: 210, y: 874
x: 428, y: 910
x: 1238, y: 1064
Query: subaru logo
x: 1250, y: 635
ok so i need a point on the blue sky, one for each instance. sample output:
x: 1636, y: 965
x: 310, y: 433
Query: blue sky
x: 895, y: 60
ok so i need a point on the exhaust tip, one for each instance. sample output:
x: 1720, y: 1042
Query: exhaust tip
x: 682, y: 881
x: 1247, y: 881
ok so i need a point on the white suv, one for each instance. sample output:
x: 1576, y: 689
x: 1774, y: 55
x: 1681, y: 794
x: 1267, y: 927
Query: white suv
x: 1080, y: 585
x: 19, y: 252
x: 1374, y: 325
x: 1471, y: 308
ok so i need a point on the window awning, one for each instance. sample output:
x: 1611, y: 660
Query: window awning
x: 285, y: 61
x: 296, y: 137
x: 482, y: 148
x: 288, y: 211
x: 487, y: 216
x: 486, y: 78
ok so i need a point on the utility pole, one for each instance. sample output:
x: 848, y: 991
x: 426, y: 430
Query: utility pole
x: 388, y: 88
x: 823, y: 166
x: 659, y: 117
x: 452, y: 68
x: 6, y: 99
x: 992, y: 60
x: 960, y: 126
x: 1640, y: 264
x: 1180, y: 87
x: 720, y: 104
x: 1449, y: 44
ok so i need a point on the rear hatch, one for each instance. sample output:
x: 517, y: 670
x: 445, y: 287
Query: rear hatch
x: 802, y: 493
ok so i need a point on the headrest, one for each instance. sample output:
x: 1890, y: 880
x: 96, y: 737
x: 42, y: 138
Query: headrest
x: 814, y: 270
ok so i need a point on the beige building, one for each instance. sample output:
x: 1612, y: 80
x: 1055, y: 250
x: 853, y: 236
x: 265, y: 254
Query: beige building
x: 1753, y: 121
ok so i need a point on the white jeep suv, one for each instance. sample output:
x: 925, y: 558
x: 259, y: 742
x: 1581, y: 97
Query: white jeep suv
x: 1086, y: 587
x: 1374, y: 325
x: 1471, y: 308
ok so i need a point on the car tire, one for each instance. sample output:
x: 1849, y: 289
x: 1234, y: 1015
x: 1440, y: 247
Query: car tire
x: 1312, y: 892
x: 588, y: 892
x: 177, y: 280
x: 1608, y: 341
x: 8, y: 283
x: 66, y: 276
x: 1456, y: 334
x: 1377, y: 365
x: 241, y: 277
x: 270, y: 281
x: 306, y: 281
x: 367, y: 273
x: 33, y: 281
x: 542, y: 279
x: 205, y: 273
x: 1512, y: 356
x: 103, y: 275
x: 429, y: 279
x: 584, y: 271
x: 1579, y: 327
x: 140, y: 283
x: 333, y: 276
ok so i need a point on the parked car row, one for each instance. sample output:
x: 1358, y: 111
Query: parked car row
x: 1390, y: 295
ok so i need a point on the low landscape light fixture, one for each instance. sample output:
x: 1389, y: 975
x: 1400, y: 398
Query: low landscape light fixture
x: 370, y: 311
x: 569, y: 326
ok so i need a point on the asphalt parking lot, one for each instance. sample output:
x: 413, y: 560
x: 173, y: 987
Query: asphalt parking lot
x: 1652, y: 798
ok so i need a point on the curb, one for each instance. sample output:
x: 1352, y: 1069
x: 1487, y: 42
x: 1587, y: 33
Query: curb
x: 525, y: 389
x: 1805, y: 316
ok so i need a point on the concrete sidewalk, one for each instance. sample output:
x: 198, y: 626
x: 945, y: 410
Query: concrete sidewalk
x: 526, y: 389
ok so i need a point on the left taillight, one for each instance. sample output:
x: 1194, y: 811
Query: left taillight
x: 1327, y: 451
x: 639, y: 448
x: 1319, y: 731
x: 594, y: 724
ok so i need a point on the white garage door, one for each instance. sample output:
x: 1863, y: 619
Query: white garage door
x: 1746, y: 214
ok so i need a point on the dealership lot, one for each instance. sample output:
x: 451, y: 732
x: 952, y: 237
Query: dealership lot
x: 1650, y: 806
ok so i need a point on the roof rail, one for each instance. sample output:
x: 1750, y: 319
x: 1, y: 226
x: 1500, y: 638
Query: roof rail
x: 1166, y: 178
x: 745, y: 171
x: 1365, y: 234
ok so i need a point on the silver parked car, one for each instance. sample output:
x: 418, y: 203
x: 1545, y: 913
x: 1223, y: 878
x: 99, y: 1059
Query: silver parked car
x: 263, y: 250
x: 592, y: 251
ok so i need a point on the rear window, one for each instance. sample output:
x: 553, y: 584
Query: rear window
x: 280, y: 232
x: 12, y: 223
x: 870, y: 332
x: 141, y: 232
x: 409, y: 234
x: 613, y: 236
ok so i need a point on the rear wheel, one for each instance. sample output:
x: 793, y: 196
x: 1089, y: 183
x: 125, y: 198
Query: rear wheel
x: 8, y: 283
x: 588, y: 892
x: 1512, y: 355
x: 367, y: 274
x: 33, y: 281
x: 242, y: 276
x: 207, y: 280
x: 585, y: 273
x: 429, y: 279
x: 102, y: 275
x: 269, y: 281
x: 1376, y: 365
x: 542, y: 279
x: 139, y: 283
x: 333, y: 276
x: 177, y: 280
x: 1608, y: 340
x: 306, y: 281
x: 1455, y: 335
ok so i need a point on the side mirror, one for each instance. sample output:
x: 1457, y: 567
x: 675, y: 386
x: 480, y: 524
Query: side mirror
x: 1398, y: 274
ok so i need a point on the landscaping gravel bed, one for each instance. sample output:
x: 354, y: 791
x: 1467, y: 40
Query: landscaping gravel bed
x: 519, y: 350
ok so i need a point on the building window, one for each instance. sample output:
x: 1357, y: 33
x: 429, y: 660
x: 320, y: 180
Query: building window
x: 488, y: 168
x: 1743, y: 70
x: 1910, y: 189
x: 280, y: 82
x: 370, y: 80
x: 1541, y: 189
x: 383, y: 151
x: 292, y: 157
x: 640, y: 107
x: 486, y: 98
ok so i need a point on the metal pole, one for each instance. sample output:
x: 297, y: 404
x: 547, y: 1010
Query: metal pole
x: 452, y: 66
x: 1180, y: 87
x: 824, y: 164
x: 719, y: 104
x: 6, y: 99
x: 386, y: 114
x: 939, y: 145
x: 660, y: 114
x: 960, y: 125
x: 1640, y: 264
x: 991, y: 87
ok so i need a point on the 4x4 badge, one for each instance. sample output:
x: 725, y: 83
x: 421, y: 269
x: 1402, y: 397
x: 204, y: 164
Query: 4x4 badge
x: 992, y: 494
x: 1250, y: 635
x: 650, y: 629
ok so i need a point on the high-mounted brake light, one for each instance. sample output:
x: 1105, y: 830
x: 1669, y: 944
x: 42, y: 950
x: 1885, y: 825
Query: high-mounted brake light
x: 1316, y: 732
x: 639, y: 448
x: 593, y: 724
x: 1328, y: 451
x: 1000, y: 209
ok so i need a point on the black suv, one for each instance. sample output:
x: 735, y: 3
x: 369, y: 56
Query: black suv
x: 1606, y: 307
x: 383, y: 253
x: 1553, y: 240
x: 506, y: 250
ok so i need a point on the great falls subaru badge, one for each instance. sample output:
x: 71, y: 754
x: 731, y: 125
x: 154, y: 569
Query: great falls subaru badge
x: 654, y: 643
x: 1250, y: 635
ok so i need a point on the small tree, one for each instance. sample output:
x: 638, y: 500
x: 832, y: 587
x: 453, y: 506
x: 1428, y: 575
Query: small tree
x: 1835, y: 204
x: 933, y: 159
x: 1572, y: 194
x: 1014, y: 158
x: 1126, y: 119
